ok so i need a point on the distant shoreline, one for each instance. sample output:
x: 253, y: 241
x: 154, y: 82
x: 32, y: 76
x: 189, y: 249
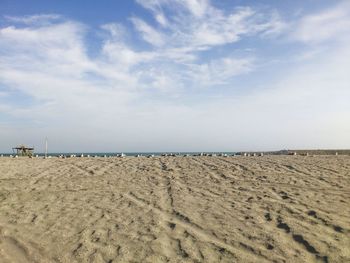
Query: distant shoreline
x: 116, y: 154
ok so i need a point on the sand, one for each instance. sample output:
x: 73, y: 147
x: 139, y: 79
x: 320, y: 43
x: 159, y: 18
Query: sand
x: 175, y: 209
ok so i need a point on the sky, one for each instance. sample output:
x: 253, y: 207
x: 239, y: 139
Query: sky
x: 174, y: 75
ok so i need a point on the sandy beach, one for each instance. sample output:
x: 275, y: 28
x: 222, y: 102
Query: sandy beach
x: 175, y: 209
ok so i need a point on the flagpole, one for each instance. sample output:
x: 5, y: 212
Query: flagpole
x: 46, y: 147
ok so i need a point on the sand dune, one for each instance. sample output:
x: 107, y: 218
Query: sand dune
x: 183, y: 209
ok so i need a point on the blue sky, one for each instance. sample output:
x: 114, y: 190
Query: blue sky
x: 175, y: 75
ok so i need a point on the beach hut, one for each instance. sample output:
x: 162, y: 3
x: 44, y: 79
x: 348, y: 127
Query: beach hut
x: 23, y: 150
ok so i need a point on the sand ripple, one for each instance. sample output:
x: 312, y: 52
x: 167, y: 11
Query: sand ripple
x: 175, y: 209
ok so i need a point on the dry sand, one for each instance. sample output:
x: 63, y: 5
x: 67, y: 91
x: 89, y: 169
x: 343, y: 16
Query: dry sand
x: 180, y: 209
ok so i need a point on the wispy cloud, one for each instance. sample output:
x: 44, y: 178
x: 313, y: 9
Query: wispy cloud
x: 198, y: 25
x: 148, y: 33
x: 34, y: 19
x: 220, y: 71
x: 329, y: 25
x: 116, y: 31
x: 155, y: 7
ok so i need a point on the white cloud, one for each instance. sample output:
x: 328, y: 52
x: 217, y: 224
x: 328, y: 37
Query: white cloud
x: 220, y: 71
x: 330, y: 25
x: 149, y: 34
x: 188, y: 27
x: 155, y: 7
x: 197, y: 7
x: 274, y: 26
x: 116, y: 31
x: 34, y: 19
x: 198, y: 25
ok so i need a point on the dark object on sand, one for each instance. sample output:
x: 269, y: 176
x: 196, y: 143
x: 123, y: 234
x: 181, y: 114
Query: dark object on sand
x: 22, y: 150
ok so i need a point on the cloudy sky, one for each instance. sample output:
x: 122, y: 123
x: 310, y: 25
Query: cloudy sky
x: 174, y: 75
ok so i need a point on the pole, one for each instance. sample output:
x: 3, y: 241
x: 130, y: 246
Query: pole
x: 46, y: 147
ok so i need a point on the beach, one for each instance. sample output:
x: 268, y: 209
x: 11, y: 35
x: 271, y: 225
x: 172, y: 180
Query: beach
x: 175, y: 209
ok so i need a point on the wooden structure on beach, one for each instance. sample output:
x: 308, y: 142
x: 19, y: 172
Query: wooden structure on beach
x: 22, y: 150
